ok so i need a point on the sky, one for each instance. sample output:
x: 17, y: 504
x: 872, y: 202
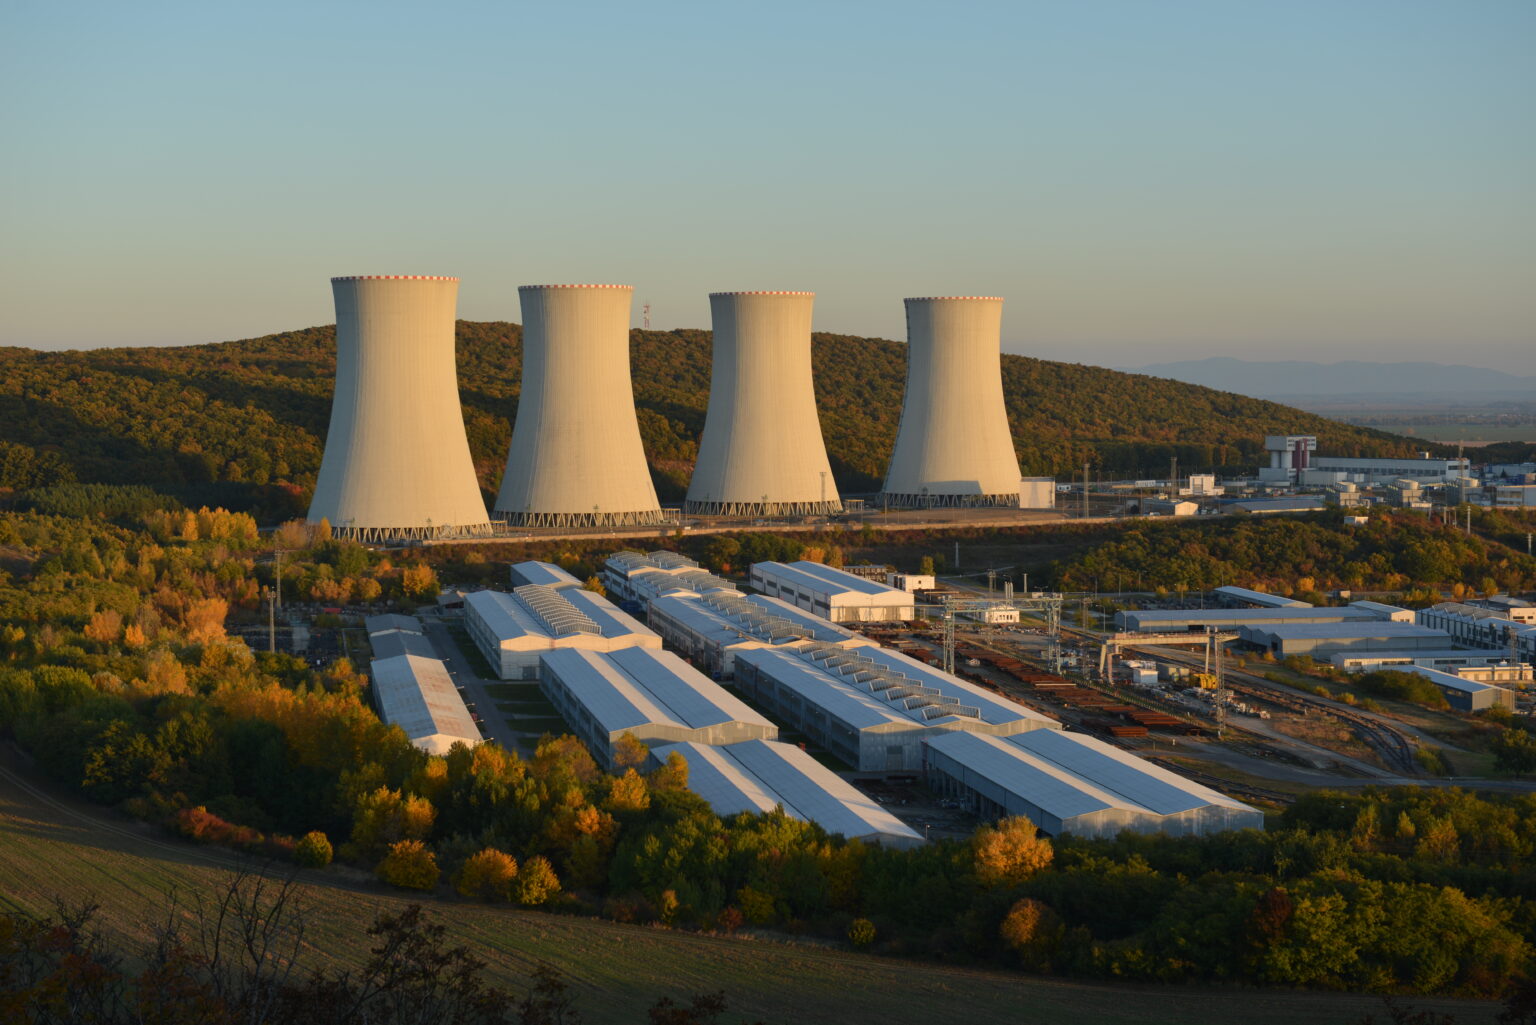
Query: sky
x: 1142, y: 181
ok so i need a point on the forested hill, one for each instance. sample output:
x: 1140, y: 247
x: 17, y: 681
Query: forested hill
x: 251, y: 415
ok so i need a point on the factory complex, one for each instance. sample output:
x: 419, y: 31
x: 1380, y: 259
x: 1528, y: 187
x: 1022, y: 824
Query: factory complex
x: 512, y: 630
x: 412, y: 688
x: 832, y: 594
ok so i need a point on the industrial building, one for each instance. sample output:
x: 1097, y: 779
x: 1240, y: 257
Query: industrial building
x: 1037, y: 492
x: 417, y: 695
x: 831, y: 593
x: 397, y: 461
x: 545, y: 574
x: 635, y: 576
x: 709, y: 629
x: 1288, y: 456
x: 390, y: 635
x: 1292, y: 459
x: 1504, y: 629
x: 1180, y: 620
x: 1243, y: 598
x: 652, y: 695
x: 513, y: 630
x: 954, y: 446
x: 1466, y: 695
x: 761, y: 453
x: 872, y: 707
x: 576, y: 459
x: 1320, y: 640
x: 1458, y: 661
x: 1072, y: 783
x: 760, y: 775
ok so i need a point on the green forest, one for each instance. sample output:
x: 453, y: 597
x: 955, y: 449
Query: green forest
x: 242, y: 424
x: 118, y: 676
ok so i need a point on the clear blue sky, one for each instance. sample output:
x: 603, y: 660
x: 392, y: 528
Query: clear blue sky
x: 1143, y: 180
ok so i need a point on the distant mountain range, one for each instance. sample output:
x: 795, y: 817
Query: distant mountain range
x: 1294, y: 379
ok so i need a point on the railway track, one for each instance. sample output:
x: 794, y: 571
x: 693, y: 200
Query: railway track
x: 1394, y: 747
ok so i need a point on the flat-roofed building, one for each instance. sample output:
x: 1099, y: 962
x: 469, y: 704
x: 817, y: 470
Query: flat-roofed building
x: 653, y: 695
x: 1179, y: 620
x: 760, y: 775
x: 871, y: 707
x: 709, y: 629
x: 1072, y: 783
x: 1386, y: 613
x: 1478, y: 627
x: 1243, y: 598
x: 546, y: 574
x: 512, y: 630
x: 831, y: 593
x: 1321, y: 640
x: 1451, y: 660
x: 417, y: 695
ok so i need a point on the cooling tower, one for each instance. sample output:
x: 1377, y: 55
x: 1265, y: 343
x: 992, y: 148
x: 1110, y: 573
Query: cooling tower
x: 397, y: 462
x: 953, y: 446
x: 762, y: 453
x: 576, y: 458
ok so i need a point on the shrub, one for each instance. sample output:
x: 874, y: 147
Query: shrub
x: 861, y: 932
x: 314, y: 850
x: 410, y: 866
x: 487, y: 875
x: 537, y: 882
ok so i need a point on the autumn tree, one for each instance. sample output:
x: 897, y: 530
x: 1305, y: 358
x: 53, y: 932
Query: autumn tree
x: 410, y: 866
x: 1009, y: 852
x: 487, y: 875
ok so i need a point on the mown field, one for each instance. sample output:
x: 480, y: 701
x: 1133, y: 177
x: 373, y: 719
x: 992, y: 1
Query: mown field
x: 52, y: 847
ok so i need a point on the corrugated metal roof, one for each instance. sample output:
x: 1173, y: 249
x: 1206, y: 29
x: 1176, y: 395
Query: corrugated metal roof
x: 819, y: 579
x: 1450, y: 680
x: 509, y: 617
x: 545, y: 573
x: 858, y: 709
x: 392, y: 621
x: 1310, y: 613
x: 1134, y: 779
x: 635, y: 686
x: 418, y: 695
x: 1331, y: 631
x: 392, y: 643
x: 1262, y: 597
x: 1037, y: 780
x: 757, y: 775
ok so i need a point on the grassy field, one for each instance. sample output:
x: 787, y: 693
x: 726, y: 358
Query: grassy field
x: 51, y: 847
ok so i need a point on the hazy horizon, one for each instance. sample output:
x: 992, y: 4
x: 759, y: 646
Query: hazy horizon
x: 1143, y: 183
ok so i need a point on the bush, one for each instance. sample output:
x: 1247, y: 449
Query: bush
x: 410, y: 866
x: 861, y: 932
x: 537, y: 882
x: 487, y: 875
x: 314, y: 850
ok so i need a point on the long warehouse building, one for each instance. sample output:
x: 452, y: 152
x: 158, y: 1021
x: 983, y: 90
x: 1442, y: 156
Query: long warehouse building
x: 1179, y: 620
x: 1320, y: 640
x: 759, y: 775
x: 831, y: 593
x: 397, y: 462
x: 761, y: 453
x: 576, y: 458
x: 872, y: 707
x: 1075, y: 784
x: 513, y: 630
x: 417, y: 695
x: 709, y: 629
x: 652, y: 695
x: 637, y: 576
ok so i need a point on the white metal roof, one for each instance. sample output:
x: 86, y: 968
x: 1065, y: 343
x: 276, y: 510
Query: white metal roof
x: 858, y: 709
x: 1040, y: 781
x: 635, y: 686
x: 1134, y: 779
x: 1262, y: 598
x: 390, y: 643
x: 757, y: 775
x: 418, y: 695
x: 1343, y: 631
x: 546, y: 573
x: 819, y: 579
x: 545, y: 612
x: 1450, y: 680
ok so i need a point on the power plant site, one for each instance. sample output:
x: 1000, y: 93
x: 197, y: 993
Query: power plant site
x: 841, y: 696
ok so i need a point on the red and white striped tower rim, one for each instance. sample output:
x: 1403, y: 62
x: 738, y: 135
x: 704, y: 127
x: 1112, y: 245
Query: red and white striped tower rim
x: 393, y: 277
x: 539, y: 288
x: 949, y: 298
x: 713, y: 294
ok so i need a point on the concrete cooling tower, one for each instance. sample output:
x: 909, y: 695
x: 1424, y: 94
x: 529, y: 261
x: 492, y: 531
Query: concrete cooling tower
x: 576, y: 458
x: 397, y: 461
x: 762, y: 452
x: 953, y: 446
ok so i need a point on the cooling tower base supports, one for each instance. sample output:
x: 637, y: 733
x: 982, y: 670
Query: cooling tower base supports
x: 639, y: 518
x: 1003, y: 501
x: 763, y: 509
x: 377, y: 535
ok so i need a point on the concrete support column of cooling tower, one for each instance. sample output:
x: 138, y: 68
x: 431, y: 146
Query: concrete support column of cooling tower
x: 397, y: 461
x: 954, y: 446
x: 576, y: 458
x: 762, y: 453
